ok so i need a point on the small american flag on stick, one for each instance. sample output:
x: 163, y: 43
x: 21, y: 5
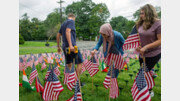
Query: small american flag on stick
x: 132, y: 40
x: 33, y: 74
x: 114, y: 55
x: 140, y: 90
x: 52, y: 87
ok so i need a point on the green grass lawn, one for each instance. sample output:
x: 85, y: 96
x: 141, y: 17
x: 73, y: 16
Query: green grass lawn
x: 93, y: 94
x: 37, y: 47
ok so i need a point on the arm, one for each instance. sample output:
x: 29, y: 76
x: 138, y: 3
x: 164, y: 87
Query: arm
x: 120, y: 39
x: 57, y: 40
x: 68, y: 36
x: 70, y: 26
x: 98, y: 45
x: 96, y: 48
x: 153, y: 45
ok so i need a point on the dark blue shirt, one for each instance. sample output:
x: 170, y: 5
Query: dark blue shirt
x: 68, y: 24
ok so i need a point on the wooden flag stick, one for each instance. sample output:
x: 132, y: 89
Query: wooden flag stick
x: 78, y: 75
x: 92, y: 78
x: 111, y: 77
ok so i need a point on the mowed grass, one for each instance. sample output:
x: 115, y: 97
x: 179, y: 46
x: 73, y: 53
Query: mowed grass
x: 91, y: 93
x: 37, y: 47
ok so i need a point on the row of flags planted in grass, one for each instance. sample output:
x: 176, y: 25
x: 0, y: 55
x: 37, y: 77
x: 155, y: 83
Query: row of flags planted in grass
x: 52, y: 87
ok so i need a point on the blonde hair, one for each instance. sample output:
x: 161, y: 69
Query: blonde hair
x: 150, y: 17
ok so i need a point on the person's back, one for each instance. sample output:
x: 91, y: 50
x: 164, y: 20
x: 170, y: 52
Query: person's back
x: 69, y: 23
x: 68, y: 33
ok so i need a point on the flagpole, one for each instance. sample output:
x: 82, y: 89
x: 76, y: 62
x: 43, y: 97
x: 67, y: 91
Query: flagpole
x: 111, y: 77
x: 92, y: 77
x: 144, y: 61
x: 78, y: 75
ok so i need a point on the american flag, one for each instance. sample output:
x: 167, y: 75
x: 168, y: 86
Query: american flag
x: 66, y: 74
x: 111, y: 81
x: 91, y: 66
x: 114, y: 91
x: 40, y: 58
x: 48, y: 71
x: 140, y: 90
x: 33, y: 74
x: 48, y: 58
x: 28, y: 63
x: 149, y: 79
x: 114, y: 55
x: 25, y: 58
x: 32, y: 56
x: 39, y: 87
x: 35, y: 60
x: 70, y: 77
x: 52, y: 55
x: 83, y: 68
x: 43, y: 65
x: 56, y: 70
x: 21, y: 64
x: 132, y: 40
x: 77, y: 94
x: 52, y: 87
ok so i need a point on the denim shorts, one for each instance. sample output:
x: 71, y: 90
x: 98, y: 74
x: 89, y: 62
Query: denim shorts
x: 70, y: 57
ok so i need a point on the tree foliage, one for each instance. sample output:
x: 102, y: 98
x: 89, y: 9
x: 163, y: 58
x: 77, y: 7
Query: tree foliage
x: 90, y: 17
x: 122, y: 25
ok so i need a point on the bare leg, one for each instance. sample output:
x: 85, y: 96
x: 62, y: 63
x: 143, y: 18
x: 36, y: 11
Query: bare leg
x: 69, y: 66
x: 79, y: 68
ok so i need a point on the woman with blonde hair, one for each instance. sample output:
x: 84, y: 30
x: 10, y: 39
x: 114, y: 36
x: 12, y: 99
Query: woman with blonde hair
x: 149, y: 27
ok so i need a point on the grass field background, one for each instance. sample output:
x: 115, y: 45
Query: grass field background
x: 90, y: 94
x: 37, y: 47
x: 93, y: 94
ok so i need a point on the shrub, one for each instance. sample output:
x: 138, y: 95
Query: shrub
x: 21, y: 39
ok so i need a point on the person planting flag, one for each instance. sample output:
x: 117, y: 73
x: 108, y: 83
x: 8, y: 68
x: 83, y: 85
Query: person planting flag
x: 68, y: 33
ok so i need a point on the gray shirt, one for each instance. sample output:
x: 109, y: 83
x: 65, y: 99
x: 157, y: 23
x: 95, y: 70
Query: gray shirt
x: 149, y: 36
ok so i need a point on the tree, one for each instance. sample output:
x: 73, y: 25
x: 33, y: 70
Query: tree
x: 122, y: 25
x: 90, y: 17
x: 136, y: 14
x: 24, y: 27
x: 21, y: 39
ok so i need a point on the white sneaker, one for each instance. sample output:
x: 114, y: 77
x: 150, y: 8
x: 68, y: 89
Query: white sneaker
x: 151, y: 93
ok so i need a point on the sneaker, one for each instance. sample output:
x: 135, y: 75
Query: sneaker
x: 151, y: 93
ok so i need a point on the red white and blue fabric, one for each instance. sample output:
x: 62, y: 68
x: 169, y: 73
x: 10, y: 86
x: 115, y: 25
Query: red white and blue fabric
x: 40, y: 58
x: 132, y: 40
x: 83, y: 67
x: 43, y: 65
x: 56, y: 70
x: 114, y: 56
x: 70, y: 77
x: 22, y: 64
x: 38, y: 85
x: 91, y: 66
x: 33, y: 74
x: 149, y: 79
x: 140, y: 90
x: 77, y: 94
x: 48, y: 71
x: 111, y: 82
x: 52, y: 87
x: 35, y: 61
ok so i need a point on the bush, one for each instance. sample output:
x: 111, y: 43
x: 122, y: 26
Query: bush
x: 21, y: 39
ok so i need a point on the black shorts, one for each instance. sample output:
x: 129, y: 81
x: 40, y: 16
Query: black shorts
x: 150, y: 61
x: 70, y: 57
